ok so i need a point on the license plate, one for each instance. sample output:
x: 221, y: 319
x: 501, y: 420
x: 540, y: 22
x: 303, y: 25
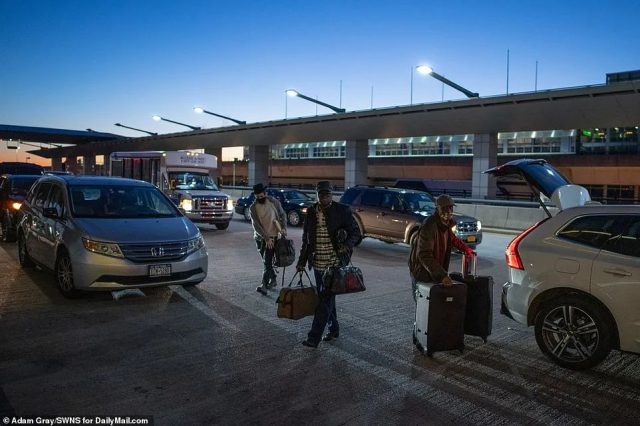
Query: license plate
x: 159, y: 270
x: 471, y: 239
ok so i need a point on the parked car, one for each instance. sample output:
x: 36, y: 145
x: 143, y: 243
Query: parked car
x: 575, y: 275
x: 102, y: 233
x: 19, y: 168
x: 13, y: 189
x: 58, y: 172
x: 393, y: 214
x: 295, y: 204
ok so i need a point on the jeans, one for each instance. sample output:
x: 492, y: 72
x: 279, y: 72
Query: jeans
x: 325, y: 312
x: 266, y: 254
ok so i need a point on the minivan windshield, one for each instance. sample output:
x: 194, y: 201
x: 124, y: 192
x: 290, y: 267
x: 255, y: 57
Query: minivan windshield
x: 101, y: 201
x: 192, y: 181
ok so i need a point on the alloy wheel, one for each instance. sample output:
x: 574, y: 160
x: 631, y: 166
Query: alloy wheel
x: 570, y: 333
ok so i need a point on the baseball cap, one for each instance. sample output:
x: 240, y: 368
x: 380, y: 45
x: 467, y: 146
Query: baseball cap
x: 323, y: 186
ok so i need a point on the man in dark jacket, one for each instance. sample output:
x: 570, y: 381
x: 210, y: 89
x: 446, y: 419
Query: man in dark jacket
x: 329, y: 234
x: 431, y: 246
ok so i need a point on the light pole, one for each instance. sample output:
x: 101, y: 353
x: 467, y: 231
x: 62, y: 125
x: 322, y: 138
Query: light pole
x: 427, y: 70
x: 199, y: 110
x: 158, y: 118
x: 137, y: 130
x: 292, y: 92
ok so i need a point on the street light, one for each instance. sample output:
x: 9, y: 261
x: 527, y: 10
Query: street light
x: 158, y: 118
x: 427, y: 70
x: 138, y: 130
x: 291, y: 92
x: 200, y: 110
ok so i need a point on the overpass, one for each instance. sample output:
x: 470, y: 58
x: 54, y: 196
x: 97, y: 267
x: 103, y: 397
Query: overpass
x: 607, y: 105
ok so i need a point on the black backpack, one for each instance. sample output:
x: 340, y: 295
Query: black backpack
x: 284, y: 251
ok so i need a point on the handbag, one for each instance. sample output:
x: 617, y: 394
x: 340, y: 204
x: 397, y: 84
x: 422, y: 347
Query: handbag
x: 284, y: 252
x: 343, y: 279
x: 298, y: 301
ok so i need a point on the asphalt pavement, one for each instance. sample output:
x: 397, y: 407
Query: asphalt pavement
x: 217, y: 353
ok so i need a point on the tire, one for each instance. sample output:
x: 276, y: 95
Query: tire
x: 247, y: 213
x: 8, y: 233
x: 23, y: 254
x: 361, y: 233
x: 64, y: 276
x: 574, y: 332
x: 222, y: 226
x: 294, y: 218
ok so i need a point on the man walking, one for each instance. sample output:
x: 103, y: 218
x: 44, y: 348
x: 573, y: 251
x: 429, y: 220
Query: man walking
x: 267, y: 218
x: 329, y: 234
x: 431, y: 246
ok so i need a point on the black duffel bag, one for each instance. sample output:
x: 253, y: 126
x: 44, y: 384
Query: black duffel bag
x: 284, y: 252
x: 343, y: 279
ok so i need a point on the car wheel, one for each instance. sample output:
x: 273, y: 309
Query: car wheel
x: 8, y: 234
x: 361, y: 233
x: 64, y: 276
x: 222, y: 226
x: 247, y: 214
x: 293, y: 217
x: 23, y: 254
x: 574, y: 332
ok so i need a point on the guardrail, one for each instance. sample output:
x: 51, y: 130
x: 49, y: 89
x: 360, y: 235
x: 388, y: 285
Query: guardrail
x: 496, y: 214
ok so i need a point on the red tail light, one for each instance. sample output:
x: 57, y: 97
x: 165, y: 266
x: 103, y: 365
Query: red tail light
x: 511, y: 253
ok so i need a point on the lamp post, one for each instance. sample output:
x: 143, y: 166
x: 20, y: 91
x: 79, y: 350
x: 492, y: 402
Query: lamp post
x: 292, y: 92
x: 199, y: 110
x: 158, y: 118
x: 235, y: 160
x: 137, y: 130
x: 427, y: 70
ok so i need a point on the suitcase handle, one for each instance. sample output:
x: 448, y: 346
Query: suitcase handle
x: 469, y: 264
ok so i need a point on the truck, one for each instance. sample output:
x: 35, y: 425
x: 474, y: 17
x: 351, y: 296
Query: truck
x: 186, y: 177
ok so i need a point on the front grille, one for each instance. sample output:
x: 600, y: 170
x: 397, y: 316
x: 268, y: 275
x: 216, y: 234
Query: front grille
x: 144, y: 279
x: 467, y: 227
x: 209, y: 203
x: 154, y: 252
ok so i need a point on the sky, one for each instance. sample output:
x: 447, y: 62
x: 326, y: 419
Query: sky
x: 78, y: 64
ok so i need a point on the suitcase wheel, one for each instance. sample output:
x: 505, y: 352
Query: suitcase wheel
x: 484, y: 339
x: 415, y: 340
x: 420, y: 347
x: 430, y: 354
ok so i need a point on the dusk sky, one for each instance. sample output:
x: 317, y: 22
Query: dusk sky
x: 89, y: 64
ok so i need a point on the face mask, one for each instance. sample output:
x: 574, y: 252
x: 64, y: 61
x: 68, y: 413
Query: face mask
x: 262, y: 200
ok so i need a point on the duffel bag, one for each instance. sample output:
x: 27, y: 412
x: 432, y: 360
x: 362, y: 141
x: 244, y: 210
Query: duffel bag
x: 284, y: 252
x: 343, y: 279
x: 298, y: 301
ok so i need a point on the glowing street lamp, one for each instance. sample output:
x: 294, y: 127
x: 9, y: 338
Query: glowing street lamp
x: 292, y: 92
x: 199, y: 110
x: 427, y: 70
x: 158, y: 118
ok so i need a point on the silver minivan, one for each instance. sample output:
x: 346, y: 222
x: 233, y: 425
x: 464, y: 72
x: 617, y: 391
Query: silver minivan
x: 102, y: 233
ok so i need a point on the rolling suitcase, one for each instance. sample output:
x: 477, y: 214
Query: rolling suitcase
x: 440, y: 317
x: 478, y: 319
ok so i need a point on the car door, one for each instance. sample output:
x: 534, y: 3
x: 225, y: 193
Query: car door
x: 616, y: 280
x: 34, y: 235
x: 53, y: 227
x: 368, y: 210
x: 392, y: 218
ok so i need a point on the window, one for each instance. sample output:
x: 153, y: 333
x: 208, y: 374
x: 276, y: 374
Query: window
x: 56, y: 200
x: 371, y: 198
x: 41, y: 195
x: 390, y: 201
x: 628, y: 241
x: 350, y: 196
x: 593, y: 231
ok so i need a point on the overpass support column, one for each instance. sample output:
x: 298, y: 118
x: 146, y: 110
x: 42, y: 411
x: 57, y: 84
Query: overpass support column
x: 356, y: 163
x: 56, y: 163
x: 485, y: 156
x: 258, y: 164
x: 218, y: 153
x: 89, y: 165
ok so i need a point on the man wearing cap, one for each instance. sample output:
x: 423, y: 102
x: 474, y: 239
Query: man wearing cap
x: 268, y: 218
x: 431, y: 247
x: 329, y: 234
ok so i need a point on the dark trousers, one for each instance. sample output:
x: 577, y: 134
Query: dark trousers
x: 266, y: 254
x: 325, y: 312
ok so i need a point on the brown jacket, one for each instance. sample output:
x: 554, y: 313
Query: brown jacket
x: 431, y: 250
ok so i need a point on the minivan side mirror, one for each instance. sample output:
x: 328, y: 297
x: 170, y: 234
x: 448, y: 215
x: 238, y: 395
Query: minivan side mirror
x: 50, y: 212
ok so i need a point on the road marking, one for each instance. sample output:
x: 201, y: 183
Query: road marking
x: 205, y: 309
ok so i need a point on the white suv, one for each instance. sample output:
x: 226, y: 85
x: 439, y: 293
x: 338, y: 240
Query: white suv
x: 575, y: 275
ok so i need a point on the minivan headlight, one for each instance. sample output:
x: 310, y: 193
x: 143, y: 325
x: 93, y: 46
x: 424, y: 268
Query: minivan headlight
x: 16, y: 205
x: 108, y: 249
x: 195, y: 244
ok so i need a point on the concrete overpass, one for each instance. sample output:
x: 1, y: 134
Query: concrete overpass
x: 612, y: 105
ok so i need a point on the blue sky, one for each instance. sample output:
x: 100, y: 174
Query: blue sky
x: 89, y: 64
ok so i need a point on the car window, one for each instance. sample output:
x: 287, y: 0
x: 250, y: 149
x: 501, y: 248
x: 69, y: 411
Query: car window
x: 416, y: 201
x: 56, y: 200
x: 20, y: 186
x: 594, y: 230
x: 350, y: 196
x: 371, y: 197
x: 41, y: 195
x: 297, y: 196
x: 390, y: 201
x: 628, y: 241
